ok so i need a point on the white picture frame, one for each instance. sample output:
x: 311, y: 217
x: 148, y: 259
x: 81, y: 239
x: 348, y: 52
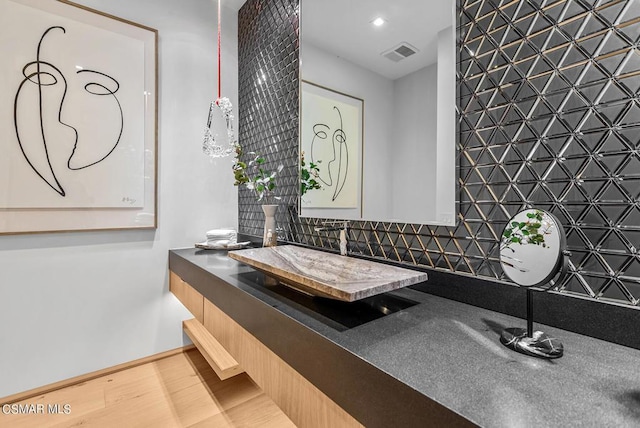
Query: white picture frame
x: 79, y: 132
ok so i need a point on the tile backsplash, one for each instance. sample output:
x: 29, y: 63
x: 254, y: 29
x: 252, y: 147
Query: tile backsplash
x: 549, y: 116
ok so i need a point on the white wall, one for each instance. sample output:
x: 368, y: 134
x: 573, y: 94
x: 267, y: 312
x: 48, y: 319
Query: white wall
x: 72, y: 303
x: 415, y: 146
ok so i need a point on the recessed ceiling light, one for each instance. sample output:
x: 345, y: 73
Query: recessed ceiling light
x: 378, y: 21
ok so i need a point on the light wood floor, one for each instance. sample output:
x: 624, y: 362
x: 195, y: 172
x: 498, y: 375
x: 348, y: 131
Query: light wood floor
x: 177, y: 391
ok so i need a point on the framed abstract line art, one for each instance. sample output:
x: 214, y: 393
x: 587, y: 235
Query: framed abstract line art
x: 78, y: 119
x: 331, y: 139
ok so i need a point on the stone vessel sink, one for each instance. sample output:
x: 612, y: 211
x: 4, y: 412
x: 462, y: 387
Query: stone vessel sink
x: 326, y: 274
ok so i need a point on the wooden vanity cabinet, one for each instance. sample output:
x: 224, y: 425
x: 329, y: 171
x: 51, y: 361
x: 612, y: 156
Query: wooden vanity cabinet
x: 300, y: 400
x: 188, y: 296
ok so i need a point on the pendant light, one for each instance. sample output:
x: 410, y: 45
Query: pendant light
x: 219, y: 136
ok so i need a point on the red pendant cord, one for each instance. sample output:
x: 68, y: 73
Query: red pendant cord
x: 219, y: 56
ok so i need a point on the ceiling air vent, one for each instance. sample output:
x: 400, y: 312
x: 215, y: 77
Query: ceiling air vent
x: 400, y: 52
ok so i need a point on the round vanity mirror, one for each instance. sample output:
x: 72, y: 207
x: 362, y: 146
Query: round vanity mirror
x: 532, y: 246
x: 532, y: 253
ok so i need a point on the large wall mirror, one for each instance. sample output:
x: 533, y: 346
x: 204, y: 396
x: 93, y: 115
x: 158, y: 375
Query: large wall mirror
x: 377, y: 110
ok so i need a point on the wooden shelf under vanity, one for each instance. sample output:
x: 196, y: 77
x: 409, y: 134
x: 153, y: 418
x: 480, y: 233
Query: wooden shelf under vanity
x: 230, y: 350
x: 216, y: 355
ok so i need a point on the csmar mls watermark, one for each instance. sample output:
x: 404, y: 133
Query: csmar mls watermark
x: 36, y: 409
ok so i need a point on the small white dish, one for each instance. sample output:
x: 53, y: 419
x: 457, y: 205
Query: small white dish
x: 236, y: 246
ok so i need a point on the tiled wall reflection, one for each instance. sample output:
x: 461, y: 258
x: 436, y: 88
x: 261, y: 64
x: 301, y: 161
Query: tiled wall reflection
x: 549, y: 117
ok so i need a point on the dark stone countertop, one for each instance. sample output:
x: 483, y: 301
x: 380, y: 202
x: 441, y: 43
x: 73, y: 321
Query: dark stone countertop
x: 429, y: 361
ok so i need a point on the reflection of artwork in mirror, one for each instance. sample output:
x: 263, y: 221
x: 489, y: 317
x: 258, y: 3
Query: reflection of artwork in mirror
x: 530, y: 249
x: 405, y: 73
x: 331, y: 140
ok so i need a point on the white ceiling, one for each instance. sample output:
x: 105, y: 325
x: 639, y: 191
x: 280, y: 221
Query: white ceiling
x: 344, y: 28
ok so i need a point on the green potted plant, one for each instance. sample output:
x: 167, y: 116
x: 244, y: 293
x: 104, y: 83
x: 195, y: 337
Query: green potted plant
x: 309, y: 176
x: 255, y: 177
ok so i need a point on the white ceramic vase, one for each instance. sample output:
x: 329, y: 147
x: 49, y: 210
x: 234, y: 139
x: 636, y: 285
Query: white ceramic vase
x: 270, y: 237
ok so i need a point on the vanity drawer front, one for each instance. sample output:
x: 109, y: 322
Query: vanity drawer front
x: 305, y: 404
x: 189, y: 297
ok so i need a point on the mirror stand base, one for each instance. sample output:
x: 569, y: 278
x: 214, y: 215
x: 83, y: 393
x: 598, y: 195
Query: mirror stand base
x: 537, y: 345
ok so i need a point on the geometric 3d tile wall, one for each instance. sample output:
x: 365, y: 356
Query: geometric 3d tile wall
x: 549, y: 116
x: 268, y: 102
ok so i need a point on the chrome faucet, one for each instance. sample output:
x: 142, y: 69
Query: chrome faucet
x: 342, y: 226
